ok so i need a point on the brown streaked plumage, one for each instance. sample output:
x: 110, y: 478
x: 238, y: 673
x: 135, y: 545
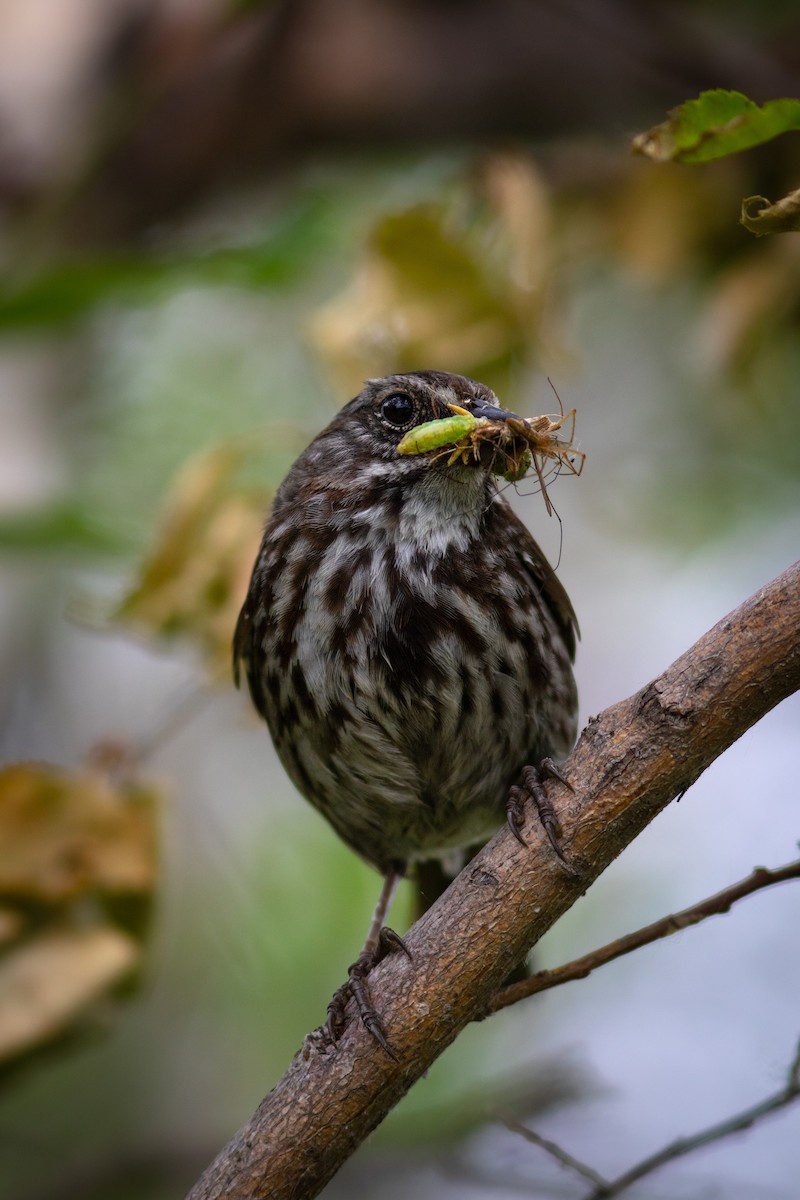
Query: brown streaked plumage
x: 403, y: 636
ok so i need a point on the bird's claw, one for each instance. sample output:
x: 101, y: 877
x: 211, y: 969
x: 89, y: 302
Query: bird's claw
x: 515, y: 813
x: 356, y: 986
x: 531, y: 786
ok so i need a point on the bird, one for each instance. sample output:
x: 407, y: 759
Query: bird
x: 408, y: 645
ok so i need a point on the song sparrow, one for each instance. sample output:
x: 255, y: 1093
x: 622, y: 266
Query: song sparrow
x: 405, y: 639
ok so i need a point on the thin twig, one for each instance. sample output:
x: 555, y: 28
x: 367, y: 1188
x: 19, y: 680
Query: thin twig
x: 579, y: 968
x: 605, y: 1188
x: 555, y: 1151
x: 181, y: 713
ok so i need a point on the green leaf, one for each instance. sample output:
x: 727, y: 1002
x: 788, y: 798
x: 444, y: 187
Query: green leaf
x: 761, y: 216
x: 716, y: 124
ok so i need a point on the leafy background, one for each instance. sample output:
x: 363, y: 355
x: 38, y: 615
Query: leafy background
x: 194, y: 278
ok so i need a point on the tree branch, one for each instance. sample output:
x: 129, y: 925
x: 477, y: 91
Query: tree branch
x: 579, y: 968
x: 627, y: 766
x: 605, y: 1188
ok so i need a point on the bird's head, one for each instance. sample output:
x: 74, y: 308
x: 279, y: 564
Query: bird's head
x: 391, y: 420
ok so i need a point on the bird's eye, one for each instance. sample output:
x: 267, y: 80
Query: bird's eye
x: 398, y: 410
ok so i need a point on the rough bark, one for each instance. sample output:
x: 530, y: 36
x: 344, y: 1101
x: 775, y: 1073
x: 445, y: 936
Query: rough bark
x: 628, y: 764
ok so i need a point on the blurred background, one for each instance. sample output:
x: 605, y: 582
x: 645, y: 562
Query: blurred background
x: 216, y: 218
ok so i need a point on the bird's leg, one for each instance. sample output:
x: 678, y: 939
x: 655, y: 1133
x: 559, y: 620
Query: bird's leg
x: 390, y: 882
x: 380, y: 941
x: 530, y: 786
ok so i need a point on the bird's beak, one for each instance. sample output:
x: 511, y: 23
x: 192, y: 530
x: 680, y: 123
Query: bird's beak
x: 481, y: 446
x: 490, y: 412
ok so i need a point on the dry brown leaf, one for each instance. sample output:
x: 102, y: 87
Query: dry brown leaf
x: 762, y: 216
x: 64, y: 834
x: 49, y: 983
x: 193, y: 580
x: 77, y: 853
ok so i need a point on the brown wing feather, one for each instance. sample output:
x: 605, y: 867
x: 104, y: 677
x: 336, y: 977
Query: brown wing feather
x: 243, y: 648
x: 549, y: 585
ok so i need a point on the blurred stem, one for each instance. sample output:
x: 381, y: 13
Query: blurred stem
x: 179, y: 715
x: 605, y: 1188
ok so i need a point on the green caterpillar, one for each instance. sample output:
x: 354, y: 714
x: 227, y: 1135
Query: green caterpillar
x: 432, y: 435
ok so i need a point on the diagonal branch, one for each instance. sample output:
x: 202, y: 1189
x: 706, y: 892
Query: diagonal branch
x: 629, y: 763
x: 579, y: 968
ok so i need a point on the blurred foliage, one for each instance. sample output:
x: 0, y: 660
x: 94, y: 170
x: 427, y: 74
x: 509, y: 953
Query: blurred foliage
x: 459, y: 282
x: 69, y: 835
x: 67, y: 291
x: 479, y: 272
x: 192, y: 581
x: 78, y: 870
x: 494, y: 264
x: 63, y: 526
x: 720, y: 123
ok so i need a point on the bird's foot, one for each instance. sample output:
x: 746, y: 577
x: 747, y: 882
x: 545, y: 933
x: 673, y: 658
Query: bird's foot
x: 531, y: 787
x: 357, y: 987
